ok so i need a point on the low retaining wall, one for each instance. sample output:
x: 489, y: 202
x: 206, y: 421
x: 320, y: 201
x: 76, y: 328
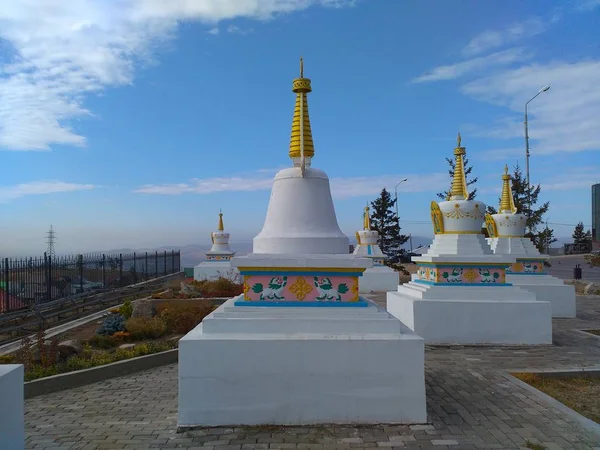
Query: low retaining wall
x: 78, y: 378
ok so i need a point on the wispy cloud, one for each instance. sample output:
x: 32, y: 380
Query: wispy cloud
x: 562, y: 120
x: 492, y: 39
x: 341, y: 187
x: 587, y: 5
x: 473, y: 66
x: 234, y: 29
x: 8, y: 193
x: 61, y: 52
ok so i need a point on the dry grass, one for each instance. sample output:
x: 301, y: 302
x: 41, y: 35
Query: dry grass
x: 580, y: 286
x: 578, y: 393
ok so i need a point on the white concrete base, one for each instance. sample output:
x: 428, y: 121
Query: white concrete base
x: 549, y: 289
x: 378, y: 279
x: 472, y: 315
x: 211, y: 270
x: 12, y: 425
x: 248, y: 365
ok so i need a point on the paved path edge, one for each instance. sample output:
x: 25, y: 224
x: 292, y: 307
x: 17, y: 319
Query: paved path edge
x: 586, y: 423
x: 83, y: 377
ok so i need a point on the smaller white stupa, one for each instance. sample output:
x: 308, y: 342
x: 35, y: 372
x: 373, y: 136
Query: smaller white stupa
x: 459, y: 294
x: 379, y: 278
x: 506, y: 230
x: 218, y: 258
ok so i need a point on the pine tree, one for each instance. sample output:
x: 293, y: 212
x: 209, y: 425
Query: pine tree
x: 468, y: 170
x: 580, y: 236
x: 385, y: 222
x: 534, y: 215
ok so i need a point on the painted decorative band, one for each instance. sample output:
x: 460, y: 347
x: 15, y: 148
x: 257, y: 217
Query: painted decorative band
x: 431, y: 283
x: 470, y: 275
x: 358, y: 304
x: 294, y: 273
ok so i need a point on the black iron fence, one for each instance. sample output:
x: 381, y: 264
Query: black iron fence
x: 26, y: 282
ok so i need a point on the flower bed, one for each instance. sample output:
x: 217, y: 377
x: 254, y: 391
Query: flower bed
x: 219, y: 288
x: 121, y: 335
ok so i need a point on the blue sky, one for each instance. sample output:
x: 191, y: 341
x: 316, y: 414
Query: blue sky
x: 130, y: 123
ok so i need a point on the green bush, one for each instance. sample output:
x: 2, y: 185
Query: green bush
x: 126, y: 309
x: 101, y: 341
x: 145, y: 327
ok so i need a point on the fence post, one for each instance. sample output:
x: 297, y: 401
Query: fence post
x: 156, y: 264
x: 146, y: 266
x: 120, y: 269
x: 103, y: 270
x: 80, y: 271
x: 7, y: 287
x: 165, y: 259
x: 172, y: 261
x: 46, y: 278
x: 134, y: 268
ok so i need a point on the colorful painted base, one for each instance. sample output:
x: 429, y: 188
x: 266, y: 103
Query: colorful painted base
x: 527, y: 267
x: 458, y: 275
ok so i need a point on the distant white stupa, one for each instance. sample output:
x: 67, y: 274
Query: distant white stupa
x: 506, y: 232
x: 379, y: 278
x: 218, y: 258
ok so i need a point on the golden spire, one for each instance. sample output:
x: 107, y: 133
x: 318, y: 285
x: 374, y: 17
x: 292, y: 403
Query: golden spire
x: 221, y: 228
x: 366, y: 219
x: 507, y: 202
x: 301, y: 86
x: 459, y: 182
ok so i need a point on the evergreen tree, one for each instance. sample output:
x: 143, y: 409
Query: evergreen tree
x: 385, y: 222
x: 468, y: 170
x: 534, y: 214
x: 580, y: 236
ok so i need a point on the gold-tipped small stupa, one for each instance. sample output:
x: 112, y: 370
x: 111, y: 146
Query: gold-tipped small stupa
x: 507, y: 202
x: 459, y: 191
x: 221, y: 227
x: 366, y: 219
x: 301, y: 133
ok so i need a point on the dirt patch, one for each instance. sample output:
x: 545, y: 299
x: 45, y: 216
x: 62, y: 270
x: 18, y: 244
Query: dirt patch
x: 580, y: 287
x: 596, y: 332
x: 578, y: 393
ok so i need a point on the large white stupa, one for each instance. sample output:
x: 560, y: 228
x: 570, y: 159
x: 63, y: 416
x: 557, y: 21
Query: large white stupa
x: 379, y: 278
x: 506, y: 232
x: 300, y: 346
x: 218, y: 258
x: 459, y: 294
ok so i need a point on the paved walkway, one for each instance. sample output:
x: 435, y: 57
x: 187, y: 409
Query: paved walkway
x: 472, y: 404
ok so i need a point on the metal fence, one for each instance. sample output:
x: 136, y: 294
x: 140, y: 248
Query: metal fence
x: 26, y: 282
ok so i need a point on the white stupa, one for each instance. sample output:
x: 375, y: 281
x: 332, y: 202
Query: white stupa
x: 379, y: 278
x: 218, y: 258
x: 300, y: 346
x: 459, y: 294
x: 507, y: 230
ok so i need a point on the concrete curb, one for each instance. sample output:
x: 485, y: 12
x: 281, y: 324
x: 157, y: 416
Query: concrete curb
x: 584, y: 422
x: 83, y: 377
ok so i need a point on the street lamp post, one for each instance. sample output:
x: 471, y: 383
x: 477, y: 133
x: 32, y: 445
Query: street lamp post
x: 396, y: 196
x: 544, y: 89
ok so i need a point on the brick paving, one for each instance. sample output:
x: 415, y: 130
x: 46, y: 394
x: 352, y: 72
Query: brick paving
x: 472, y: 404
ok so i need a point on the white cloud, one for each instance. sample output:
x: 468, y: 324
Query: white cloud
x: 341, y: 187
x: 8, y: 193
x: 564, y: 119
x: 214, y: 31
x: 493, y: 39
x: 62, y: 51
x: 472, y: 66
x: 234, y: 29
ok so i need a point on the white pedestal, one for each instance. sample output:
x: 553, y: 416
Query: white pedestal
x: 12, y: 425
x: 472, y: 315
x: 550, y: 289
x: 211, y: 270
x: 378, y: 279
x: 247, y: 365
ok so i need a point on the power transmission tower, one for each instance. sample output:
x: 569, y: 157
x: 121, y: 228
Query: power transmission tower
x: 50, y: 238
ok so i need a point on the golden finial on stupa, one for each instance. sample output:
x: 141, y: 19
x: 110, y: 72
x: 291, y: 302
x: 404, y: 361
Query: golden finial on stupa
x: 366, y: 219
x: 221, y: 227
x: 507, y: 202
x: 301, y: 134
x: 459, y: 190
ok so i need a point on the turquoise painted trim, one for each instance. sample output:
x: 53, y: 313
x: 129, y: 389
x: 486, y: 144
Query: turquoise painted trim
x: 523, y: 273
x: 358, y: 304
x: 369, y: 252
x: 308, y: 274
x: 432, y: 283
x: 471, y: 265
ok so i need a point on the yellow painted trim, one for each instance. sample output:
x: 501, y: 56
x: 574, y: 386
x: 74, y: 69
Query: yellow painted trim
x: 441, y: 264
x: 461, y: 232
x: 509, y: 235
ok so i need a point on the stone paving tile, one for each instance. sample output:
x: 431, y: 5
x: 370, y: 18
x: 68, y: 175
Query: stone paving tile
x: 471, y: 405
